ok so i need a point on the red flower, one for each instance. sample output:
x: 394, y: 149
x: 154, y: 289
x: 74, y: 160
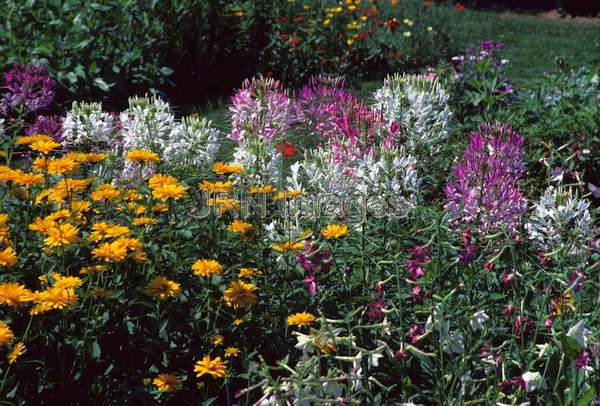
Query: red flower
x: 286, y: 149
x: 282, y: 19
x: 294, y: 41
x: 284, y: 37
x: 298, y: 19
x: 459, y: 7
x: 361, y: 36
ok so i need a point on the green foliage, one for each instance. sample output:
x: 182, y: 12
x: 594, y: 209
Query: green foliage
x: 357, y: 39
x: 90, y: 48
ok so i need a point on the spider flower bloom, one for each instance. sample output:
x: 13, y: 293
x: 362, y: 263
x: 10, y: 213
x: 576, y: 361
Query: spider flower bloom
x: 213, y: 367
x: 50, y: 125
x: 485, y: 190
x: 27, y: 86
x: 260, y: 109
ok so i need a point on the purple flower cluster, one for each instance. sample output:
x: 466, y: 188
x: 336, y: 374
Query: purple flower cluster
x: 27, y: 87
x: 376, y: 307
x: 313, y: 260
x: 420, y: 255
x: 260, y: 108
x: 352, y: 127
x: 477, y: 62
x: 485, y: 191
x: 47, y: 125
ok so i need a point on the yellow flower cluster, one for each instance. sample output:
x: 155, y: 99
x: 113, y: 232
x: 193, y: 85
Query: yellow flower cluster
x: 165, y: 187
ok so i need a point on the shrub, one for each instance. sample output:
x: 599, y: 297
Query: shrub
x: 355, y: 38
x: 114, y: 46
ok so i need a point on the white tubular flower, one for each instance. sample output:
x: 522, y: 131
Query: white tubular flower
x: 579, y: 333
x: 533, y: 381
x: 478, y: 319
x: 560, y: 219
x: 1, y: 127
x: 87, y: 125
x: 420, y: 106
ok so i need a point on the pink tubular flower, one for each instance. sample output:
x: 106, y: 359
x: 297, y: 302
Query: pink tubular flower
x: 376, y: 308
x: 420, y: 255
x: 417, y: 294
x: 523, y: 325
x: 313, y: 260
x: 414, y: 333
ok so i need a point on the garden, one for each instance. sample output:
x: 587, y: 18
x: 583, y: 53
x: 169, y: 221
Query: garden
x: 281, y: 202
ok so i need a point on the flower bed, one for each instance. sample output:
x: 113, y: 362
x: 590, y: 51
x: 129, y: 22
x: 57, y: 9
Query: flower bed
x: 409, y: 251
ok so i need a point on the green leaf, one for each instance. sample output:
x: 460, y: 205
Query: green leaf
x: 166, y: 71
x: 587, y: 397
x: 72, y: 77
x: 101, y: 84
x: 571, y: 347
x: 96, y: 351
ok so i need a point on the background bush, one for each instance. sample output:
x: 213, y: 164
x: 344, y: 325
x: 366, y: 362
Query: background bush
x: 193, y: 48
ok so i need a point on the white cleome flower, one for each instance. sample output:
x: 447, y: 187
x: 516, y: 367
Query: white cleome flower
x: 86, y: 125
x: 147, y: 123
x: 379, y: 184
x: 192, y: 142
x: 420, y: 106
x: 560, y: 219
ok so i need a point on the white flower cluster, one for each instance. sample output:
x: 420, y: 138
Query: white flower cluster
x: 192, y: 142
x: 382, y: 183
x: 149, y: 124
x: 260, y: 160
x: 146, y: 124
x: 560, y: 219
x: 87, y: 125
x: 420, y: 106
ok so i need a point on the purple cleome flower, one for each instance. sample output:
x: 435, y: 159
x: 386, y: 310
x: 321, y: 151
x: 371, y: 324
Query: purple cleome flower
x: 260, y: 108
x: 27, y: 86
x: 47, y: 125
x: 485, y: 190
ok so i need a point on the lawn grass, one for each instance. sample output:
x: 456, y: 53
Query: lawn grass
x: 532, y: 45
